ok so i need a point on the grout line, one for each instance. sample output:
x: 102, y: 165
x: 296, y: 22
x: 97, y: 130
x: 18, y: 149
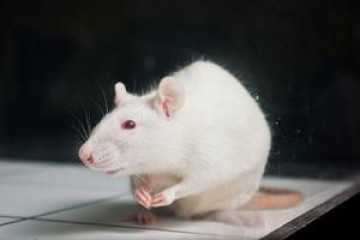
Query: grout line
x: 73, y: 207
x: 16, y: 221
x: 8, y: 216
x: 129, y: 227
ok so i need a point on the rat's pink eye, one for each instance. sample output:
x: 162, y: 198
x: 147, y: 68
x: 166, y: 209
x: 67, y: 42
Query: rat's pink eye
x: 128, y: 124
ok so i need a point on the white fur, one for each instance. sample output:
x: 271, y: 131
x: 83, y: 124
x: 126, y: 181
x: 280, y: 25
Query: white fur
x: 209, y: 154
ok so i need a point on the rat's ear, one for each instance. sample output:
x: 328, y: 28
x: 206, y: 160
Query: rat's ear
x: 120, y: 93
x: 170, y: 96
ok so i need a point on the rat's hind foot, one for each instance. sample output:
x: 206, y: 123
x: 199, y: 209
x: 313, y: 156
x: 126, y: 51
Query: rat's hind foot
x: 141, y: 216
x: 145, y: 217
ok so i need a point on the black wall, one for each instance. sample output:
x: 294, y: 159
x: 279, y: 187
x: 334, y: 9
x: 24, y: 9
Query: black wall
x: 300, y: 58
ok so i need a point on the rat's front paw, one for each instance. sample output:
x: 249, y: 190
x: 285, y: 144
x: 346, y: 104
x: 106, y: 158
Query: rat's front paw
x: 164, y: 198
x: 143, y: 196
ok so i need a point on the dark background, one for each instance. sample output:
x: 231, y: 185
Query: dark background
x: 299, y: 58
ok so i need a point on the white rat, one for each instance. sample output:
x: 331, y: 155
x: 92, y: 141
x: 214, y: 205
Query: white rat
x: 199, y: 142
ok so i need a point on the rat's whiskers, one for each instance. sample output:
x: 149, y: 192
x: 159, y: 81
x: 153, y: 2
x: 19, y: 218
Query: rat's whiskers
x: 81, y: 130
x: 98, y: 106
x: 103, y: 95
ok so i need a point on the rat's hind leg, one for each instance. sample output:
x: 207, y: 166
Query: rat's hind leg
x: 145, y: 217
x: 141, y: 216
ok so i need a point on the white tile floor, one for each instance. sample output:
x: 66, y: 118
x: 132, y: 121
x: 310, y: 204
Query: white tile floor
x: 52, y: 201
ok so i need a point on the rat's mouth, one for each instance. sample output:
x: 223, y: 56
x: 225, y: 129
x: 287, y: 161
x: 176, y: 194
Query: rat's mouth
x: 113, y: 172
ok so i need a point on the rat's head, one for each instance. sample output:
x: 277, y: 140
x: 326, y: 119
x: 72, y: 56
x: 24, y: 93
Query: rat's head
x: 134, y: 138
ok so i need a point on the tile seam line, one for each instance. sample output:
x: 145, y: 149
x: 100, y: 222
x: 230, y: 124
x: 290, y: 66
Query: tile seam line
x: 21, y: 219
x: 130, y: 227
x: 65, y: 209
x: 9, y: 216
x: 73, y: 207
x: 13, y: 222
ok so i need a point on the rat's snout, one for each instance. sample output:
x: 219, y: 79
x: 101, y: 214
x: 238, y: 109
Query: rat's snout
x: 99, y: 157
x: 85, y: 154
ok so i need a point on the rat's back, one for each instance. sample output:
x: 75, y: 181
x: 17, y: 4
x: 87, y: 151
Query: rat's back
x: 225, y: 129
x: 213, y: 91
x: 218, y: 104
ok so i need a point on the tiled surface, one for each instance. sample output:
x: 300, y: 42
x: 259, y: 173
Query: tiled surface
x: 71, y: 202
x: 103, y: 213
x: 12, y: 168
x: 314, y: 192
x: 27, y: 200
x: 59, y: 175
x: 31, y: 230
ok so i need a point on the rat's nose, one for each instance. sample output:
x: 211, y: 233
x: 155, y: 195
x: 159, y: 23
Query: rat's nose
x: 88, y: 160
x: 85, y: 155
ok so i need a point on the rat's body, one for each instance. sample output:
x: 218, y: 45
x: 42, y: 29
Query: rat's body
x: 221, y: 142
x: 201, y: 142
